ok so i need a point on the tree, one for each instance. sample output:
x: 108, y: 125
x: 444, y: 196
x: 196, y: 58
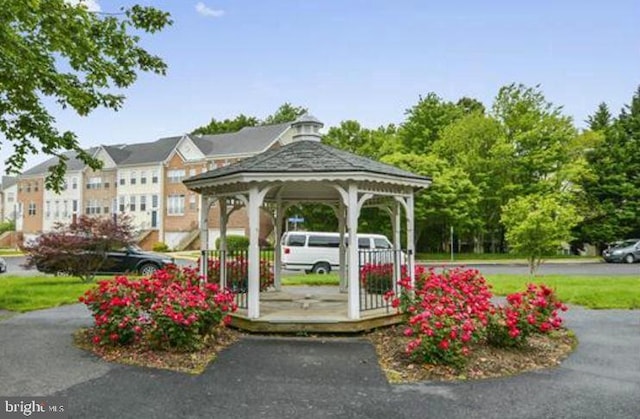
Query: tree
x: 601, y: 119
x: 352, y: 137
x: 470, y: 105
x: 425, y: 121
x: 79, y: 248
x: 65, y: 52
x: 285, y: 113
x: 228, y: 125
x: 538, y: 225
x: 613, y: 193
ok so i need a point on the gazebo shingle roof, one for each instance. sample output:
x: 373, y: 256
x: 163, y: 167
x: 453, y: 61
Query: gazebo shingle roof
x: 306, y: 157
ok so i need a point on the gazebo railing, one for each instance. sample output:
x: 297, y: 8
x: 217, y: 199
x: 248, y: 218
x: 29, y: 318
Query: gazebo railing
x: 379, y: 276
x: 235, y: 270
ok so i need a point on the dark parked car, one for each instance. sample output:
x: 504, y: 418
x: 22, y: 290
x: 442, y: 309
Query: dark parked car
x: 625, y: 251
x: 130, y: 259
x: 3, y: 266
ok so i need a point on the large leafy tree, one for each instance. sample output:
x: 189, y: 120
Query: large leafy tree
x: 62, y: 51
x: 425, y: 120
x: 613, y: 194
x: 538, y: 225
x: 372, y: 143
x: 285, y: 113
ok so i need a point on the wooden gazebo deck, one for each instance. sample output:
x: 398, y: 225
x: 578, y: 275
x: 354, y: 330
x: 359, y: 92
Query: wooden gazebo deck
x: 302, y: 309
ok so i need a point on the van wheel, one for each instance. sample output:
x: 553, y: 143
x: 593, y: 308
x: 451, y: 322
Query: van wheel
x: 321, y: 268
x: 629, y: 258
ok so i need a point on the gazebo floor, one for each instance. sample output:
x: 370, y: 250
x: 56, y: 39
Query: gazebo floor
x: 301, y: 309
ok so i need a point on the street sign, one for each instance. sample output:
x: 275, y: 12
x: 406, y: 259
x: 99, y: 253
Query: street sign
x: 296, y: 219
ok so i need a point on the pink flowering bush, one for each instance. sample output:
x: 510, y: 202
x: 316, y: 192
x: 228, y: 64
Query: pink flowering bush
x: 534, y: 311
x: 170, y: 309
x: 377, y: 278
x: 447, y: 312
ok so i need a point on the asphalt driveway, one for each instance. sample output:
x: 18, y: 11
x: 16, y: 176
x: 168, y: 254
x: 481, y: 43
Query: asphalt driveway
x: 318, y: 378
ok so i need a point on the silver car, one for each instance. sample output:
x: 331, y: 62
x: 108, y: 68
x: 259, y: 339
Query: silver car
x: 625, y: 251
x: 3, y: 266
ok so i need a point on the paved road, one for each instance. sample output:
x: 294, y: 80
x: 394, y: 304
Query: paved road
x: 596, y: 269
x: 318, y: 378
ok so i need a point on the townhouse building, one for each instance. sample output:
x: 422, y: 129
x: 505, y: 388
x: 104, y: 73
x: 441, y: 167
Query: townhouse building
x: 8, y: 198
x: 144, y: 180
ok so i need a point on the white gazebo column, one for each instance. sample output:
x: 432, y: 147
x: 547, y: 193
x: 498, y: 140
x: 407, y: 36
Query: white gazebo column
x: 254, y: 254
x: 204, y: 237
x: 222, y: 251
x: 343, y: 248
x: 353, y: 309
x: 277, y: 251
x: 411, y: 248
x: 397, y: 245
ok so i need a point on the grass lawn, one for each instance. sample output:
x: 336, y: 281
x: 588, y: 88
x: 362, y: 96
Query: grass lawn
x: 597, y: 292
x: 20, y: 293
x: 446, y: 257
x: 10, y: 252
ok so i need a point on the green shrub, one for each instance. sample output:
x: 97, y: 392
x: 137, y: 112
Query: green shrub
x: 160, y: 247
x: 235, y: 243
x: 7, y: 226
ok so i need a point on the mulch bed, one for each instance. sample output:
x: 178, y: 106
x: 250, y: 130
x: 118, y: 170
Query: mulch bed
x: 541, y: 351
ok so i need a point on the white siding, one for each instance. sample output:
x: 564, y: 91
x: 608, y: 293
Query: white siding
x: 49, y: 215
x: 143, y: 187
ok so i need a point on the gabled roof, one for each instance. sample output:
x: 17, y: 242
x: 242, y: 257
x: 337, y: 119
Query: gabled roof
x: 74, y: 163
x: 306, y: 157
x: 142, y: 153
x: 248, y: 140
x: 8, y: 181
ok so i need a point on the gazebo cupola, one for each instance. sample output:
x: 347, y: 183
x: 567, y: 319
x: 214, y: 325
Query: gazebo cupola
x: 307, y: 127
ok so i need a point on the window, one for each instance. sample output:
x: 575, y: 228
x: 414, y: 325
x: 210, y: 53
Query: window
x: 132, y: 203
x: 192, y: 203
x: 296, y: 240
x: 154, y: 201
x: 47, y: 211
x: 28, y: 187
x: 106, y: 185
x: 65, y: 209
x: 132, y: 179
x: 105, y: 209
x: 154, y: 176
x: 192, y: 172
x: 93, y: 207
x: 381, y: 243
x: 175, y: 205
x: 213, y: 165
x: 35, y: 187
x: 74, y: 183
x: 32, y: 208
x: 122, y: 203
x: 121, y: 180
x: 64, y: 185
x: 143, y: 177
x: 176, y: 176
x: 324, y: 241
x: 10, y: 197
x: 94, y: 182
x: 364, y: 243
x: 74, y: 206
x: 143, y: 202
x: 56, y: 212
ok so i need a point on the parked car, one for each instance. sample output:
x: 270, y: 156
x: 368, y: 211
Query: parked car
x: 130, y: 259
x: 627, y: 251
x: 3, y: 266
x: 318, y: 252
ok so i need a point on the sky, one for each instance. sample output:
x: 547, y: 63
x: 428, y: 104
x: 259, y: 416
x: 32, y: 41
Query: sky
x: 368, y: 60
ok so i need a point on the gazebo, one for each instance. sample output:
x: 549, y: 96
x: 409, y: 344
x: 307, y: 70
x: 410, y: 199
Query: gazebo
x: 307, y: 171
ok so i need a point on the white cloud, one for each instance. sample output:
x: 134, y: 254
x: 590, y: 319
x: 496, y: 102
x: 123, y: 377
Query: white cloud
x: 91, y: 5
x: 206, y: 11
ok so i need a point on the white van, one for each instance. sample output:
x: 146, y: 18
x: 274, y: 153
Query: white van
x: 319, y: 252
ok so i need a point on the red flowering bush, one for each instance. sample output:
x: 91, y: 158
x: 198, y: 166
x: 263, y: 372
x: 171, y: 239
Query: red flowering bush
x: 170, y: 308
x: 448, y: 311
x: 238, y: 273
x: 526, y: 313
